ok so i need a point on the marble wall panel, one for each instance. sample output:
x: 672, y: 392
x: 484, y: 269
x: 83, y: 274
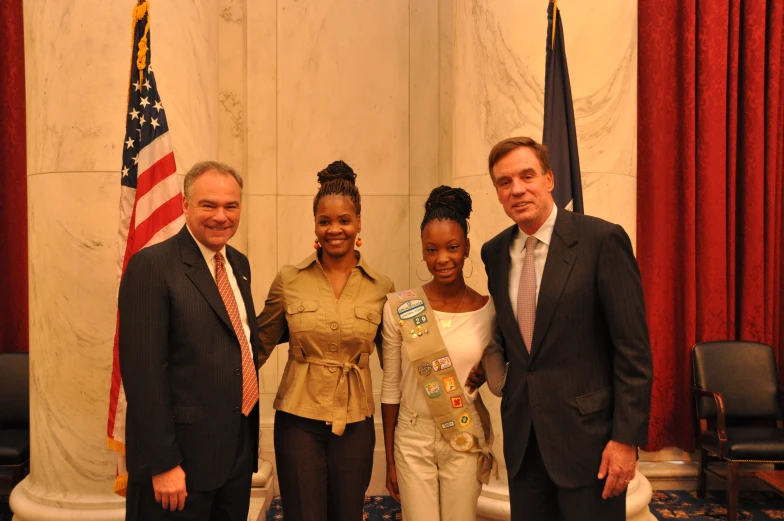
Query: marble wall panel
x: 262, y: 96
x: 261, y: 216
x: 232, y: 105
x: 612, y: 197
x: 77, y: 81
x: 424, y: 92
x: 343, y: 93
x: 73, y: 289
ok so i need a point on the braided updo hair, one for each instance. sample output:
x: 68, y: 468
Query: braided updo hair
x: 448, y: 203
x: 338, y: 179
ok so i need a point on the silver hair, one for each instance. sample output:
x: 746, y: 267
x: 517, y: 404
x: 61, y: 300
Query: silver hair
x: 202, y: 167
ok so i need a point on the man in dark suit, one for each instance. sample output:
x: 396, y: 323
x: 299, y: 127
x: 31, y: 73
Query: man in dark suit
x: 571, y: 320
x: 188, y: 345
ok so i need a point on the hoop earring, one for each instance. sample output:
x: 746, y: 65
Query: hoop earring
x: 359, y: 241
x: 472, y: 268
x: 316, y: 244
x: 417, y: 272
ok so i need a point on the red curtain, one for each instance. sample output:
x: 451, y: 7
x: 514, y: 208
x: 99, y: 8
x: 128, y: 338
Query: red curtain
x: 13, y: 182
x: 710, y: 149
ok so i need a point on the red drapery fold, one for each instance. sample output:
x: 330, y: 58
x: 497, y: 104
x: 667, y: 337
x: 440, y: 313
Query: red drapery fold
x: 13, y: 182
x: 709, y: 198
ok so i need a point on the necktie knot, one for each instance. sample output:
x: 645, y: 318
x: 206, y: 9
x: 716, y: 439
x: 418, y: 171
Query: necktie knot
x: 218, y: 259
x: 530, y: 244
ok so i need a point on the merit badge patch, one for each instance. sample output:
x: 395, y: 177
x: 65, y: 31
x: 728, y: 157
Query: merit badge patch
x: 442, y: 363
x: 457, y: 401
x: 406, y: 294
x: 462, y: 442
x: 425, y: 370
x: 464, y: 420
x: 449, y: 384
x: 432, y: 389
x: 447, y: 425
x: 410, y: 309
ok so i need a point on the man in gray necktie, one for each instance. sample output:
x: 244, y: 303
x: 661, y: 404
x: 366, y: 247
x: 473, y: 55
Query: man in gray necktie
x: 571, y: 321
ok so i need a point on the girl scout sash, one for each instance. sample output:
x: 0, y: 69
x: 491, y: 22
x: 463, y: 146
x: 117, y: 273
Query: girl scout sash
x: 438, y: 380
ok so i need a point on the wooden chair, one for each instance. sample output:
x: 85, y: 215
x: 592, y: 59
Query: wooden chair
x: 738, y: 411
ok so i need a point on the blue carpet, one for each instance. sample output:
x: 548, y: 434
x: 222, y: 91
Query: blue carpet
x: 665, y: 505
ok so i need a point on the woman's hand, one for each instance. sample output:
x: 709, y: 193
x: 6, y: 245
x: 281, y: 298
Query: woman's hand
x: 475, y: 378
x: 392, y: 481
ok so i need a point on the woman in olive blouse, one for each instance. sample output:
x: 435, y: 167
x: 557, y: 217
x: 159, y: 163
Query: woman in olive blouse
x: 328, y: 307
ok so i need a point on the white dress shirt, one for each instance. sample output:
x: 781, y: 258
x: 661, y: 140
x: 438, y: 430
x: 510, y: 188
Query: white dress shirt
x: 517, y: 256
x: 209, y: 257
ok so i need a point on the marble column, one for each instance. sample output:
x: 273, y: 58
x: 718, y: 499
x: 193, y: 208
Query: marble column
x: 77, y: 64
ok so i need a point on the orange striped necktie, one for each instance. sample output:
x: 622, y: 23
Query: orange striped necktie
x: 250, y: 383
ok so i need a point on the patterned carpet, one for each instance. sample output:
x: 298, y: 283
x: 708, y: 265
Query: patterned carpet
x: 666, y: 505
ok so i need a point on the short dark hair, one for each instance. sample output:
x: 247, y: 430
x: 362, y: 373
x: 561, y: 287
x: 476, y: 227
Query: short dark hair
x: 447, y: 203
x: 507, y: 145
x: 338, y: 179
x: 202, y: 167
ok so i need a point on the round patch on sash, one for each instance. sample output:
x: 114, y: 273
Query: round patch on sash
x: 462, y: 442
x: 425, y: 369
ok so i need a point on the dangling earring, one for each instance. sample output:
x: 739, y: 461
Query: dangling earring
x: 359, y: 241
x: 316, y: 244
x: 417, y: 272
x: 472, y: 267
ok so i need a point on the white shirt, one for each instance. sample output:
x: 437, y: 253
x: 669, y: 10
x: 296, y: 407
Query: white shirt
x: 209, y: 258
x: 517, y: 256
x: 466, y: 340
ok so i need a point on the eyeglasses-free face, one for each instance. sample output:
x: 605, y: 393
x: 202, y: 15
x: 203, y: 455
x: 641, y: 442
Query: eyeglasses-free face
x: 523, y: 189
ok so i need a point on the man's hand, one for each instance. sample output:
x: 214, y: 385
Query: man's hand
x: 169, y: 489
x: 618, y: 463
x: 392, y: 481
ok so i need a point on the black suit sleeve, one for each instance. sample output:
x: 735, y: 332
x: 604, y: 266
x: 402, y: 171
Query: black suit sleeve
x: 621, y: 298
x: 272, y: 324
x: 143, y: 350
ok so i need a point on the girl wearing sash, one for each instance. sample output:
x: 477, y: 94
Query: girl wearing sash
x: 437, y: 433
x: 328, y: 307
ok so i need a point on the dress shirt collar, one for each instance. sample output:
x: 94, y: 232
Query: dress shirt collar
x: 544, y: 233
x: 205, y: 251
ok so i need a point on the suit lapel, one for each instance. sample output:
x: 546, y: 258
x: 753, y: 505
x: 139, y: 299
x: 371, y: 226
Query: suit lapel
x: 200, y: 275
x: 504, y: 313
x: 557, y: 268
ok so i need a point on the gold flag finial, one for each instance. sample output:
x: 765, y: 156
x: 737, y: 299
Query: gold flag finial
x: 555, y: 21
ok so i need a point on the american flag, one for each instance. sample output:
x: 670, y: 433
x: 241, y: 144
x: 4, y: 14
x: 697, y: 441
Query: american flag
x: 150, y: 200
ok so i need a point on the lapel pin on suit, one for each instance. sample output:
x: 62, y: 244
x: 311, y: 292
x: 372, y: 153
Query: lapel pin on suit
x: 244, y: 278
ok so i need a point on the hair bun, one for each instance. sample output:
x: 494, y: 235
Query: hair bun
x: 455, y: 199
x: 337, y: 170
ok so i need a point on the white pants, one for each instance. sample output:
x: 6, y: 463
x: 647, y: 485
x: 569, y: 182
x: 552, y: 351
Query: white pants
x: 435, y: 481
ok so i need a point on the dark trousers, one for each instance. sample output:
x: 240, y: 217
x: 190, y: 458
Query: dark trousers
x: 534, y: 496
x: 322, y: 477
x: 228, y: 503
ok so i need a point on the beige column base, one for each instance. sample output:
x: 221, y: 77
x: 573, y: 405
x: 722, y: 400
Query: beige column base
x: 34, y: 505
x: 494, y: 501
x: 261, y: 492
x: 30, y: 503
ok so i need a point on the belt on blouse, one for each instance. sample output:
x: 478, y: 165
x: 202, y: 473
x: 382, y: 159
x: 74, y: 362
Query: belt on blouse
x: 340, y: 398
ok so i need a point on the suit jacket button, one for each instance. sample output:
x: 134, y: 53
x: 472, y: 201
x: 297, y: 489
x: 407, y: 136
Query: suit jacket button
x: 334, y: 326
x: 301, y: 309
x: 531, y: 372
x: 236, y: 410
x: 332, y: 369
x: 238, y: 372
x: 333, y: 347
